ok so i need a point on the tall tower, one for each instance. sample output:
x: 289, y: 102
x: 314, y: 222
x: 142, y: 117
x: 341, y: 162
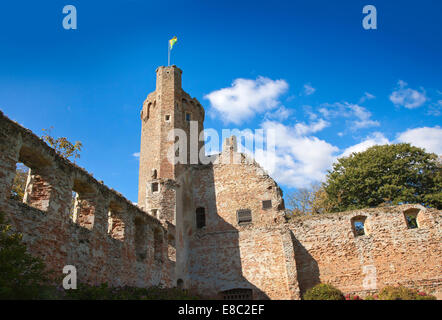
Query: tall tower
x: 164, y: 111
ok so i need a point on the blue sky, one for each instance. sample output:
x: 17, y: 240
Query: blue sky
x: 327, y: 85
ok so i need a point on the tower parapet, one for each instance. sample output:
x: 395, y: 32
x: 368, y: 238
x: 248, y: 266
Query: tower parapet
x: 168, y: 114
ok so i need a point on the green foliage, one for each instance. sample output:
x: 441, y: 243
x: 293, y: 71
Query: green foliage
x: 393, y: 174
x: 104, y: 292
x: 403, y: 293
x: 62, y: 145
x: 22, y: 276
x: 323, y: 292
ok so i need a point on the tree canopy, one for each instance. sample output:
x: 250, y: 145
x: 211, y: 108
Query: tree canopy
x: 394, y: 174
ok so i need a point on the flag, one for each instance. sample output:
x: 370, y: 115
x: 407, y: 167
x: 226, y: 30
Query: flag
x: 172, y: 42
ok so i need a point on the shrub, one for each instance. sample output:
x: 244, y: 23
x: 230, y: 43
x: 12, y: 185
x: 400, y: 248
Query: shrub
x: 323, y: 292
x: 403, y: 293
x: 352, y: 297
x: 22, y: 276
x: 104, y: 292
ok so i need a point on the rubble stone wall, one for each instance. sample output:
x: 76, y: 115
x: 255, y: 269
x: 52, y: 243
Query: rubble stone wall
x: 105, y: 236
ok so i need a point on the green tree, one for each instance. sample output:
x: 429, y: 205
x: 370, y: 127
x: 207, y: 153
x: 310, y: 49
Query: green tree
x: 393, y: 174
x: 323, y: 291
x: 62, y: 145
x: 22, y: 276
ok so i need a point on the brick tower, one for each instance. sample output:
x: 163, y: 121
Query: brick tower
x: 164, y: 111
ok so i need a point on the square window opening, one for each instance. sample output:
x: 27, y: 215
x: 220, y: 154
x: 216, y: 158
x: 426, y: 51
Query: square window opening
x: 244, y: 216
x: 267, y: 204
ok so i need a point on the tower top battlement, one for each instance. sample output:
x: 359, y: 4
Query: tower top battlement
x: 168, y: 78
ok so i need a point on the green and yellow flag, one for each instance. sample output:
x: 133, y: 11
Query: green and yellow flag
x: 172, y: 42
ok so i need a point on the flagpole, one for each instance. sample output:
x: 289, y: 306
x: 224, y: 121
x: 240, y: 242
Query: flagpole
x: 168, y: 53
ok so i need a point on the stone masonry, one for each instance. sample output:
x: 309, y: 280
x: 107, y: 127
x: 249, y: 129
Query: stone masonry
x: 217, y: 228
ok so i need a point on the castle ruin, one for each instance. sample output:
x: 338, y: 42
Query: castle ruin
x: 217, y: 229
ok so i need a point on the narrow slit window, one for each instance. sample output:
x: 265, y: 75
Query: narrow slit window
x: 200, y: 218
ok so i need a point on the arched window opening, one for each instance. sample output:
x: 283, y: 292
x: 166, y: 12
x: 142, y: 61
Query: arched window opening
x: 115, y: 222
x: 411, y: 218
x: 358, y: 226
x: 237, y: 294
x: 32, y: 180
x: 83, y: 204
x: 20, y: 180
x: 200, y: 218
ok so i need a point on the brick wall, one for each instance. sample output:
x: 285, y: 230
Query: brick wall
x: 327, y: 250
x: 98, y: 236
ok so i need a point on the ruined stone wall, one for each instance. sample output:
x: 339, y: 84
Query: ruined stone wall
x: 224, y: 254
x: 328, y: 251
x: 105, y: 236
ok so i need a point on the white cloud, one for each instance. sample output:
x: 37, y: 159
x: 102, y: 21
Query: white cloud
x: 435, y: 109
x: 366, y: 96
x: 136, y: 154
x: 247, y: 97
x: 298, y: 160
x: 428, y: 138
x: 303, y: 129
x: 282, y: 113
x: 308, y: 89
x: 376, y: 138
x: 408, y: 98
x: 349, y: 110
x: 364, y: 118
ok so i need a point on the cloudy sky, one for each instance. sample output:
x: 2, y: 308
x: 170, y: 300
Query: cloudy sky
x: 308, y: 70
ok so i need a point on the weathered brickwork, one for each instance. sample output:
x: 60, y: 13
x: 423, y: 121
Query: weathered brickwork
x: 100, y: 237
x: 327, y: 250
x: 217, y: 228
